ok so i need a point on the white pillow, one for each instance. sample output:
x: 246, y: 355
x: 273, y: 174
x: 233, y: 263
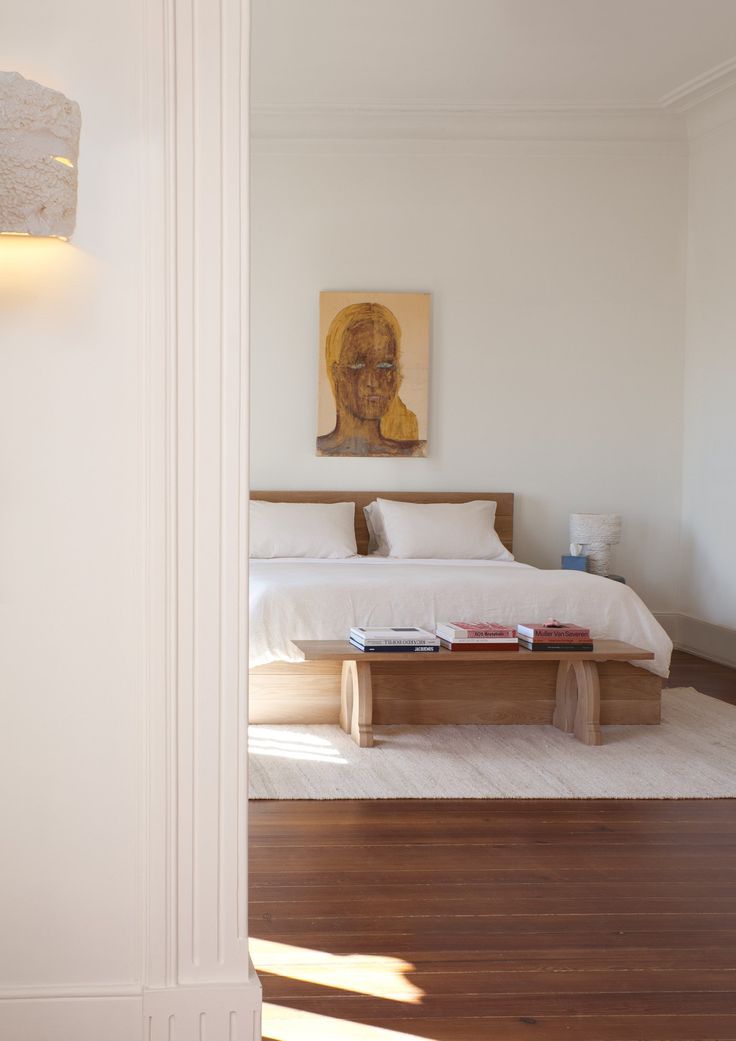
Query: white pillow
x: 377, y: 545
x: 302, y: 529
x: 444, y: 530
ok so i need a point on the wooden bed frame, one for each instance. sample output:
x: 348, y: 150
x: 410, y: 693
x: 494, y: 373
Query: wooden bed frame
x: 497, y: 692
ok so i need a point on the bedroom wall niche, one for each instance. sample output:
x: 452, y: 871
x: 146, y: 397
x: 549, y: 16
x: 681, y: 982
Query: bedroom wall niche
x: 556, y: 360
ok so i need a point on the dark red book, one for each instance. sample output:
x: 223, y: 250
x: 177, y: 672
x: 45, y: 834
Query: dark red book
x: 465, y: 645
x: 547, y: 645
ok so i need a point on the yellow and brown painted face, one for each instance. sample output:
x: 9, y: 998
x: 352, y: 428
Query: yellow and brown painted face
x: 367, y: 376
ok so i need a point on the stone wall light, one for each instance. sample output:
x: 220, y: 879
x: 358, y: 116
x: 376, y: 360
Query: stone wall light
x: 39, y: 147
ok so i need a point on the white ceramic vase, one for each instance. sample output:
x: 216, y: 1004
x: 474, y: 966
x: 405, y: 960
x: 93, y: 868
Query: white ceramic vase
x: 596, y: 532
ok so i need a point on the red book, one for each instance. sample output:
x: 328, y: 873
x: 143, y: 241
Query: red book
x: 465, y: 645
x: 476, y: 631
x: 559, y: 632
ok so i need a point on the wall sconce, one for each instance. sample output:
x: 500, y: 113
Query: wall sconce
x: 39, y: 147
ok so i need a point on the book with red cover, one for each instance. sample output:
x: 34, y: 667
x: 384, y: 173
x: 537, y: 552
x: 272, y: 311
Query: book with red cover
x: 559, y: 632
x: 443, y: 635
x: 467, y: 645
x: 476, y: 631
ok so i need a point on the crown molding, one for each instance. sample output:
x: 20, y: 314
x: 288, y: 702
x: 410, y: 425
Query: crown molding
x: 707, y: 117
x: 707, y: 85
x: 687, y: 111
x: 540, y: 147
x: 473, y: 121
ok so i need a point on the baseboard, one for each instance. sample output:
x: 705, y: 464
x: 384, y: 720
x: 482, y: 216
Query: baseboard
x: 217, y: 1013
x: 111, y: 1017
x: 129, y: 1013
x: 670, y: 622
x: 714, y: 642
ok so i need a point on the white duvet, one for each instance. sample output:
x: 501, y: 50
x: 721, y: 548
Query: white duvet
x: 304, y: 599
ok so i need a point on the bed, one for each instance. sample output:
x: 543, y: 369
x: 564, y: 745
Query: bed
x: 319, y: 599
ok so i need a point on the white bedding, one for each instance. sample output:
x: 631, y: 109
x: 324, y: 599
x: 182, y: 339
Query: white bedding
x: 305, y: 599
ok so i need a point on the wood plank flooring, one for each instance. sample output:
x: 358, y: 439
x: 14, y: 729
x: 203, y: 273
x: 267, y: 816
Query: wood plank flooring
x: 498, y: 920
x: 706, y: 676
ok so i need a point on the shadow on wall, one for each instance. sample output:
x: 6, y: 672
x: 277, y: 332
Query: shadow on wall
x: 534, y: 524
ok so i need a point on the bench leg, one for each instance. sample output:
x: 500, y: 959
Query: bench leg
x: 578, y: 701
x: 356, y: 702
x: 566, y: 698
x: 588, y: 712
x: 346, y: 696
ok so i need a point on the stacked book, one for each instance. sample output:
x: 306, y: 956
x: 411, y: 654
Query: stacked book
x: 399, y: 639
x: 554, y: 636
x: 477, y: 636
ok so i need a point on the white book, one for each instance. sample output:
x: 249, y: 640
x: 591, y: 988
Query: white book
x: 393, y: 636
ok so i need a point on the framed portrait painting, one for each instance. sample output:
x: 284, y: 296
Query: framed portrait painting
x: 373, y: 374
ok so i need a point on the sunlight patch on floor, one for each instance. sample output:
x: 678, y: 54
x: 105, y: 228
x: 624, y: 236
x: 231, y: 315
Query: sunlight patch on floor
x: 292, y: 1024
x: 374, y: 975
x: 289, y: 744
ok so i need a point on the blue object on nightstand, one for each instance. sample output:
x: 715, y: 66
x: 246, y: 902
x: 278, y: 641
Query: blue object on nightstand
x: 570, y: 563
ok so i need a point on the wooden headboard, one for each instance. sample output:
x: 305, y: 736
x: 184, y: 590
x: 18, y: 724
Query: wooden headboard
x: 504, y: 509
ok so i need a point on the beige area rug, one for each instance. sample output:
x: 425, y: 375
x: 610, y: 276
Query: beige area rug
x: 691, y: 755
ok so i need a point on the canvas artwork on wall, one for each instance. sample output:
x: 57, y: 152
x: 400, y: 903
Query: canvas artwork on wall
x: 373, y: 374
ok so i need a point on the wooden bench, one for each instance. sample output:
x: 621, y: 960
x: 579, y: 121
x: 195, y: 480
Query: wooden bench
x: 577, y: 703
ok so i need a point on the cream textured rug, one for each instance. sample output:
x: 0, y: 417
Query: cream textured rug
x: 691, y: 755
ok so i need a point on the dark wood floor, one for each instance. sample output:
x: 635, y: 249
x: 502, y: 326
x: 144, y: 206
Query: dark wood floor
x: 706, y: 676
x: 499, y: 920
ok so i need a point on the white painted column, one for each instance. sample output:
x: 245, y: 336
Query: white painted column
x: 199, y: 981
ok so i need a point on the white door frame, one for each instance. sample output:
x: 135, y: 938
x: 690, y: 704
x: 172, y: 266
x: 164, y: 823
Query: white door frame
x: 197, y: 972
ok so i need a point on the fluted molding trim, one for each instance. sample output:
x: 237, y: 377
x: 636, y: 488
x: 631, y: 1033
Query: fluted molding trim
x: 202, y: 1014
x: 198, y: 975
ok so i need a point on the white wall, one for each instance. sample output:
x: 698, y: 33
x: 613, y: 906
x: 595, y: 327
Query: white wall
x: 70, y: 543
x: 123, y: 614
x: 557, y: 276
x: 709, y: 477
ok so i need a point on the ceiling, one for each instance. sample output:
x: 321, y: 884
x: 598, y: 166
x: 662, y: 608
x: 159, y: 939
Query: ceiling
x: 506, y: 53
